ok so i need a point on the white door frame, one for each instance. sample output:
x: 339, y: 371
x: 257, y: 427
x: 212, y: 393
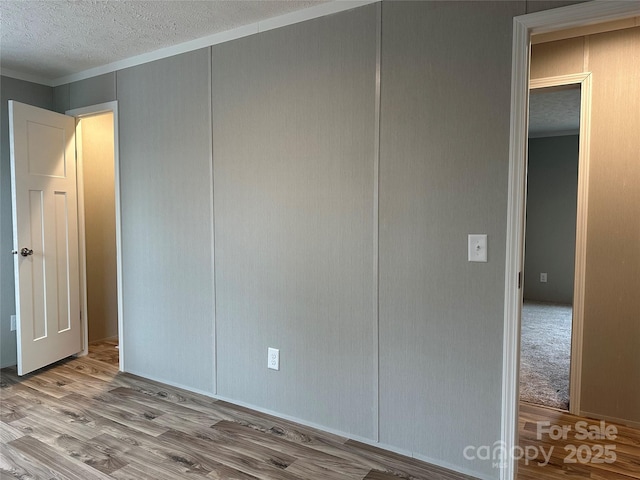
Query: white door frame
x: 80, y: 113
x: 583, y: 80
x: 524, y: 26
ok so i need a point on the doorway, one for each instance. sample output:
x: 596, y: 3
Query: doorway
x: 550, y: 245
x: 99, y: 232
x: 594, y: 16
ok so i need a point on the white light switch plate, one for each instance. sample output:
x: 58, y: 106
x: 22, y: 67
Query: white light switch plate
x: 477, y: 248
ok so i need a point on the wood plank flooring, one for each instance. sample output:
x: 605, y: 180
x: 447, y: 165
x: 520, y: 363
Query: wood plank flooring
x: 592, y: 456
x: 82, y: 420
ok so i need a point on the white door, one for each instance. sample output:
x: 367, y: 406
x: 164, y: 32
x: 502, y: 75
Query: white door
x: 45, y: 235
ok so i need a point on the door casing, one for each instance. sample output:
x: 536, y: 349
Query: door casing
x: 583, y: 80
x: 80, y: 113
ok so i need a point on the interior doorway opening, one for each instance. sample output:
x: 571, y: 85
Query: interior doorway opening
x: 550, y: 245
x: 98, y: 201
x: 99, y: 226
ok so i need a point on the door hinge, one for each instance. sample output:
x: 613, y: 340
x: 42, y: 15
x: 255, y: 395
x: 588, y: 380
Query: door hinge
x: 519, y: 280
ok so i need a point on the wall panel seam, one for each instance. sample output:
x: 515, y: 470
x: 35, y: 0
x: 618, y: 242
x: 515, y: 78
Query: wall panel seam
x: 214, y: 332
x: 586, y: 52
x: 376, y: 226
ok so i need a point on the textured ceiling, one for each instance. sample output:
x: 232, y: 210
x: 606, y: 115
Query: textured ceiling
x: 554, y: 112
x: 56, y: 38
x: 50, y: 39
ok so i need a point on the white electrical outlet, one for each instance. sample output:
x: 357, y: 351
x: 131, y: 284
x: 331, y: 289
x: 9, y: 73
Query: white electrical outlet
x: 13, y: 323
x: 543, y: 278
x: 273, y: 362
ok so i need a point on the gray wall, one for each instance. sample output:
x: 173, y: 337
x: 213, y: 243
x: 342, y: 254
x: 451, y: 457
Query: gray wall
x: 295, y: 194
x: 443, y: 175
x: 40, y: 96
x: 552, y: 190
x: 539, y: 5
x: 165, y: 188
x: 293, y: 148
x: 84, y: 93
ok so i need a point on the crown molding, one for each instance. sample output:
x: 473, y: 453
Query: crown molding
x: 27, y: 77
x: 291, y: 18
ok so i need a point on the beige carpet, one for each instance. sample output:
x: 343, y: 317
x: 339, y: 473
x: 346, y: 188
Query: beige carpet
x: 545, y: 353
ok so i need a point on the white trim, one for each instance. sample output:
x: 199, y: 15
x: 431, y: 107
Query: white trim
x: 214, y: 303
x: 514, y: 235
x: 291, y: 18
x: 560, y: 81
x: 159, y: 54
x: 350, y: 436
x: 27, y: 77
x: 619, y: 421
x: 317, y: 426
x: 575, y: 387
x: 582, y: 14
x: 79, y: 113
x: 82, y: 253
x: 584, y: 81
x: 555, y: 133
x: 317, y: 11
x: 172, y: 384
x: 376, y: 230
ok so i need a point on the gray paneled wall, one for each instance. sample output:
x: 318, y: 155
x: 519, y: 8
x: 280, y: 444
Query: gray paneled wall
x: 443, y: 175
x: 552, y: 194
x: 93, y: 90
x: 84, y: 93
x: 539, y: 5
x: 40, y: 96
x: 165, y: 171
x: 61, y: 98
x: 293, y: 147
x: 295, y: 190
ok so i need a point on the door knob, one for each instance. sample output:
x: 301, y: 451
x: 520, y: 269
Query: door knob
x: 25, y: 252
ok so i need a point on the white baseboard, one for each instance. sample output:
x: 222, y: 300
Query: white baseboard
x: 323, y: 428
x: 621, y: 421
x: 366, y: 441
x: 169, y: 383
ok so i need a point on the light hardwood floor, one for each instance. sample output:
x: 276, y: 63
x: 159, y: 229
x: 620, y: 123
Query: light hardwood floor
x: 82, y: 420
x: 589, y: 454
